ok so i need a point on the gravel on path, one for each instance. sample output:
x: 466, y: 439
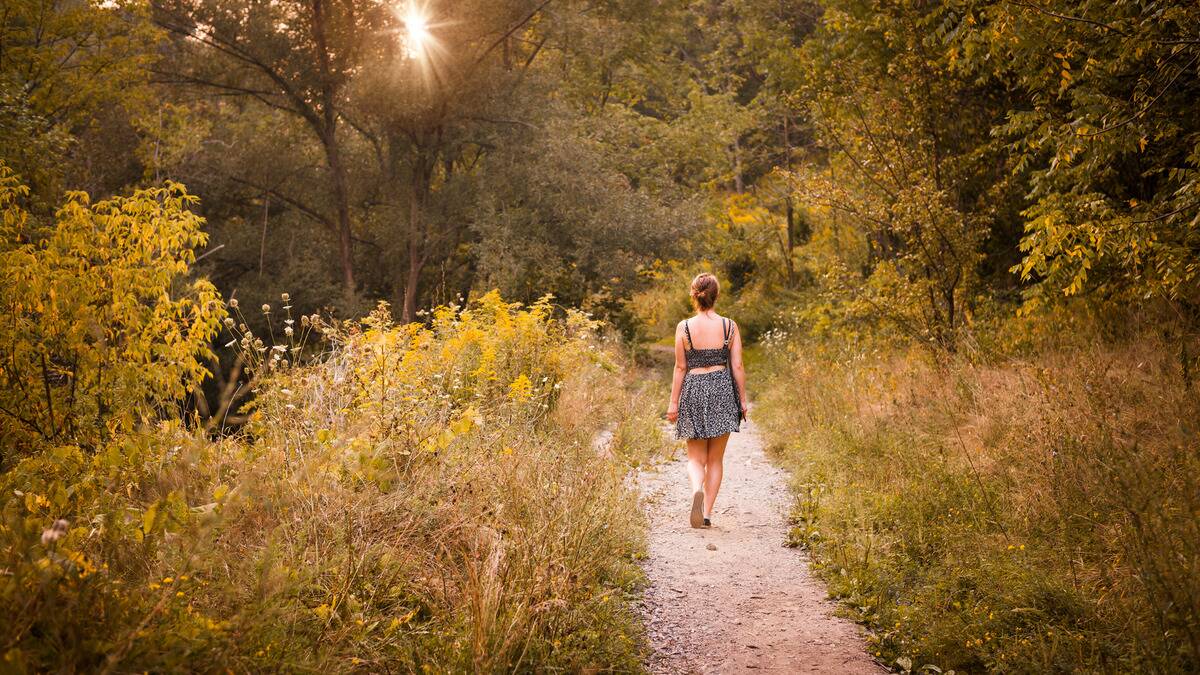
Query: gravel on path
x: 733, y: 598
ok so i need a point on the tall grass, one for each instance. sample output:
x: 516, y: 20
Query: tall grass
x: 1037, y: 514
x: 420, y: 500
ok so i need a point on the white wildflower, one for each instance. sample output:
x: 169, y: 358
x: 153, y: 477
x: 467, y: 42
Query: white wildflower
x: 55, y: 532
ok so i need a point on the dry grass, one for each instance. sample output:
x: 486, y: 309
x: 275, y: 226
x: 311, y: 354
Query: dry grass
x: 1025, y: 515
x: 421, y: 500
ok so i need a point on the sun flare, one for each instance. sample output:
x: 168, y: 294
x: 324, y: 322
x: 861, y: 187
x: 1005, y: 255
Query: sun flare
x: 417, y: 36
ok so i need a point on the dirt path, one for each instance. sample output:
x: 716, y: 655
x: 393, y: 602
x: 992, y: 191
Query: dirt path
x: 732, y: 598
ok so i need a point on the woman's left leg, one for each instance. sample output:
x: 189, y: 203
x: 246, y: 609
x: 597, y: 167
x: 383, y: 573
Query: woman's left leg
x: 714, y: 470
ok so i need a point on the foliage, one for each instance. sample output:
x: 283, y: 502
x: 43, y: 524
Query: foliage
x: 422, y: 497
x: 1032, y: 514
x: 67, y: 68
x: 101, y: 327
x: 1106, y: 132
x: 406, y: 169
x: 584, y: 233
x: 907, y: 160
x: 968, y: 141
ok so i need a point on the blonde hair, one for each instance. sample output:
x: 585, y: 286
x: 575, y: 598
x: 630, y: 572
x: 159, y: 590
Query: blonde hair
x: 705, y: 289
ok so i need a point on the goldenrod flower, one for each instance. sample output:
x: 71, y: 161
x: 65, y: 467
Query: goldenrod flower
x: 521, y: 388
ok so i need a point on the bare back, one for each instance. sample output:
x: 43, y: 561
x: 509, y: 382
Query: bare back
x: 706, y: 331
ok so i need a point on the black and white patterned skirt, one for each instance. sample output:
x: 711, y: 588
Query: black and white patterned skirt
x: 707, y: 407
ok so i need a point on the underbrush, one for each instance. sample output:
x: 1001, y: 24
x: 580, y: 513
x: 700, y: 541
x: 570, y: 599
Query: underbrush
x: 423, y: 499
x: 1024, y: 515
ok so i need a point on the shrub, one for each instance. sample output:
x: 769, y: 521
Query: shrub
x: 420, y: 498
x: 99, y: 326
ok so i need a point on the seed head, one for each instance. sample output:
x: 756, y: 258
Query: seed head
x: 233, y: 303
x: 55, y: 532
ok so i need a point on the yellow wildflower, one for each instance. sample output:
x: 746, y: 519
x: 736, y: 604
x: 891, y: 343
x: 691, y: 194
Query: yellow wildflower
x: 521, y: 388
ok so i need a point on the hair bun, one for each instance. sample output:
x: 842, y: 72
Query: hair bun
x: 704, y: 291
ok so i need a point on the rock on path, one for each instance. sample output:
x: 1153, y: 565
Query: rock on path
x: 732, y: 598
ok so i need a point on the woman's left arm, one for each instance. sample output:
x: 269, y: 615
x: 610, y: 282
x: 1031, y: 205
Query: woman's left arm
x: 739, y: 369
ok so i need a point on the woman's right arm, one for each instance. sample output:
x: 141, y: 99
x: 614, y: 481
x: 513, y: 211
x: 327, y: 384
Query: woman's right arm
x: 677, y: 376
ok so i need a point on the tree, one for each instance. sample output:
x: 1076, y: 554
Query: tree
x: 1107, y: 131
x: 429, y: 104
x: 64, y: 68
x: 296, y: 57
x: 100, y: 327
x: 585, y: 233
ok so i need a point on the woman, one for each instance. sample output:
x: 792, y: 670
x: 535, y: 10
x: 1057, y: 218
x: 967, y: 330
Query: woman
x: 708, y: 393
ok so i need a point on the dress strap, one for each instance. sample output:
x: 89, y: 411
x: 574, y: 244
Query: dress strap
x: 726, y: 332
x: 688, y: 333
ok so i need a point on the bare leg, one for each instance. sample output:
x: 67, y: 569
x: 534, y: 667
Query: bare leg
x: 714, y: 470
x: 697, y: 449
x: 697, y: 460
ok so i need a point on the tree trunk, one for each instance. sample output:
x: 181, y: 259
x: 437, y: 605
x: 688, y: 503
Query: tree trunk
x: 418, y: 189
x: 791, y: 241
x: 412, y: 279
x: 341, y: 198
x: 739, y: 184
x: 333, y: 155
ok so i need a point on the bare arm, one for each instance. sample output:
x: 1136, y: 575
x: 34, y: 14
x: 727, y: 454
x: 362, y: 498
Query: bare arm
x: 677, y: 375
x: 739, y: 370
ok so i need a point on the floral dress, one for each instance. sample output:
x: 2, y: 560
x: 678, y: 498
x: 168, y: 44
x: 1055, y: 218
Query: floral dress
x: 709, y: 404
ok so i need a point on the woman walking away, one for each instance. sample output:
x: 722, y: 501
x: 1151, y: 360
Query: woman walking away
x: 708, y: 393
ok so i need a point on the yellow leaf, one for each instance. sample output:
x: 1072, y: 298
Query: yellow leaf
x: 149, y: 517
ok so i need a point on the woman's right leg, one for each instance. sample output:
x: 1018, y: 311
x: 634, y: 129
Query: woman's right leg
x: 697, y: 462
x: 697, y: 449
